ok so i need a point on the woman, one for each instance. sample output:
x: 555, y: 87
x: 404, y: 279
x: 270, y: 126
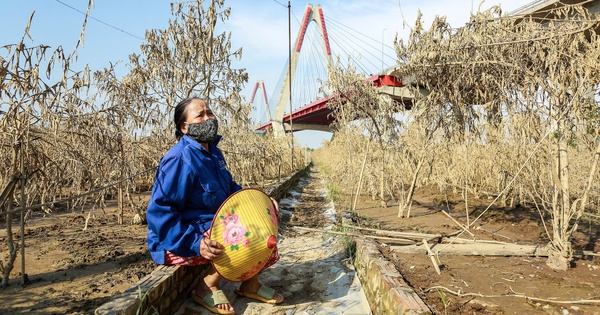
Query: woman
x: 191, y: 182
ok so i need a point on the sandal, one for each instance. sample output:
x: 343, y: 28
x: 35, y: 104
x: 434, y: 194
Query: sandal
x: 210, y: 301
x: 264, y: 294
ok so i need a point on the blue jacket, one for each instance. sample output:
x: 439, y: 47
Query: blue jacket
x: 189, y: 186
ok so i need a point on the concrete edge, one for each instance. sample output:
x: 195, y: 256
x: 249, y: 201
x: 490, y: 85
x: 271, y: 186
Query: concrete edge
x: 165, y: 289
x: 384, y: 286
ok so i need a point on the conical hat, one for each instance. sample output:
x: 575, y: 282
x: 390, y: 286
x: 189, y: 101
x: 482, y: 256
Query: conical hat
x: 246, y: 224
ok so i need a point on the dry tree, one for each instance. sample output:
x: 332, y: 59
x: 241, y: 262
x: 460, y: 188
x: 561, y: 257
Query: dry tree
x: 358, y: 106
x: 41, y: 142
x: 510, y: 112
x: 521, y: 84
x: 188, y: 58
x: 67, y: 145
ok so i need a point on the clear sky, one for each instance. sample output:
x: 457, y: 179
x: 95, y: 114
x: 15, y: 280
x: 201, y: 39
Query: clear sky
x: 116, y: 29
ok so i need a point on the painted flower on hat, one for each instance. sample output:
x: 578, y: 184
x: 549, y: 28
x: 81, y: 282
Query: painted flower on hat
x: 230, y: 219
x: 234, y: 232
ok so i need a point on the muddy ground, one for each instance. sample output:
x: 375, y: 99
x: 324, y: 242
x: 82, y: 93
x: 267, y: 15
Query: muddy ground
x: 72, y: 271
x: 519, y: 285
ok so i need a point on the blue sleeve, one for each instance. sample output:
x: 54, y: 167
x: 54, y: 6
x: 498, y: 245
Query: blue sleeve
x: 171, y: 189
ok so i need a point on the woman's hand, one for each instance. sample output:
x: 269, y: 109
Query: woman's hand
x: 276, y: 204
x: 210, y: 249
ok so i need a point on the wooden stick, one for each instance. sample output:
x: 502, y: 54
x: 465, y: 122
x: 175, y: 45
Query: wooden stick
x: 493, y: 233
x: 389, y: 239
x: 431, y: 254
x: 488, y: 249
x: 479, y: 249
x: 411, y: 235
x: 459, y: 240
x: 458, y: 223
x: 460, y: 294
x: 396, y: 233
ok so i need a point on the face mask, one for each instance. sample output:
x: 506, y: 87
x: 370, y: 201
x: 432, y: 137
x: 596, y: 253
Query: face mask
x: 205, y: 132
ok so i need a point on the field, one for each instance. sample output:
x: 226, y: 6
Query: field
x: 489, y: 284
x: 72, y: 271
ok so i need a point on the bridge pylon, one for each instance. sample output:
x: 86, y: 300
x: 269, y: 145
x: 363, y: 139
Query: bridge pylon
x: 261, y: 84
x: 311, y: 13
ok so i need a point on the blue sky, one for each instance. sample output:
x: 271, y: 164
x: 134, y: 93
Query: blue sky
x: 259, y: 26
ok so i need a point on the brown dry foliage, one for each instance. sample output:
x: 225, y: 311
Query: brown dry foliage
x: 78, y: 132
x: 512, y: 112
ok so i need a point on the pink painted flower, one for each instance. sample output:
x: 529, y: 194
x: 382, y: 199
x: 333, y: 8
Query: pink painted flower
x: 230, y: 219
x: 246, y: 242
x: 233, y: 234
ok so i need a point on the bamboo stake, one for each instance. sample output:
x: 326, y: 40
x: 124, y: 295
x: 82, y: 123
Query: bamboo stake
x: 458, y: 223
x: 24, y: 279
x: 403, y: 234
x: 120, y: 210
x: 431, y: 255
x: 488, y: 249
x: 389, y: 239
x: 362, y: 170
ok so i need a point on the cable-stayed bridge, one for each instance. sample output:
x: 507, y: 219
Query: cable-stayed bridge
x: 318, y: 46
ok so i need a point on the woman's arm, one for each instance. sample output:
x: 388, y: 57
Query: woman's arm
x: 173, y: 185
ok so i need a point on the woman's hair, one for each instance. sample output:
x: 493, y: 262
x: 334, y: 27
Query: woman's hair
x: 180, y: 115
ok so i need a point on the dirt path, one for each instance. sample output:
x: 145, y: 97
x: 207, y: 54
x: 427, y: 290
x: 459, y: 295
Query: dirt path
x: 73, y: 271
x: 313, y: 274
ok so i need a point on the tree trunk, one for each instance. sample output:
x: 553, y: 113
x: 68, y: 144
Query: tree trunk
x: 411, y: 190
x: 383, y: 203
x: 13, y: 248
x: 120, y: 210
x: 362, y: 171
x: 560, y: 251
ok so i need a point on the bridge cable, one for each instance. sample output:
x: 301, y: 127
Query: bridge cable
x: 378, y: 42
x: 283, y: 5
x: 344, y: 27
x: 356, y: 60
x: 318, y: 59
x: 363, y: 55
